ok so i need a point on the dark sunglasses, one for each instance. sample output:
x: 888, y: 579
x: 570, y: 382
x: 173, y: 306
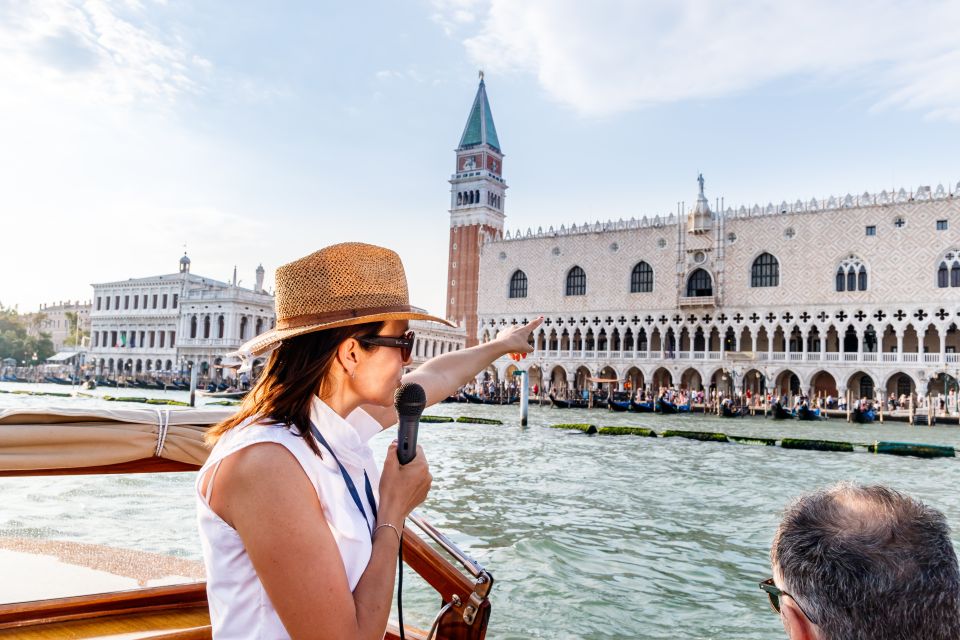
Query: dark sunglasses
x: 404, y: 343
x: 774, y: 593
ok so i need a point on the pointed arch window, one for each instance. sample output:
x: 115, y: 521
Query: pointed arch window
x: 518, y: 284
x: 699, y: 284
x: 641, y: 278
x: 852, y: 275
x: 948, y: 273
x: 765, y: 271
x: 576, y: 282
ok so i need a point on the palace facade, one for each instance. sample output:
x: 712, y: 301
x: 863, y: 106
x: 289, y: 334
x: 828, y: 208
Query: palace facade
x: 167, y: 324
x: 821, y: 296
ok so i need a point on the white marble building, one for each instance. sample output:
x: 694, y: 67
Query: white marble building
x: 858, y: 293
x: 434, y: 339
x: 166, y: 324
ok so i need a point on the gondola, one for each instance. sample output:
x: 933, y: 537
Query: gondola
x: 667, y: 407
x: 617, y: 406
x: 12, y: 378
x: 779, y: 413
x: 56, y: 380
x: 729, y: 412
x: 472, y: 399
x: 864, y: 417
x: 642, y: 407
x: 567, y: 404
x: 806, y: 413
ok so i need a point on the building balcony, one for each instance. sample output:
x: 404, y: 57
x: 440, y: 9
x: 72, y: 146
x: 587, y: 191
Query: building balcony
x: 210, y: 343
x: 697, y: 301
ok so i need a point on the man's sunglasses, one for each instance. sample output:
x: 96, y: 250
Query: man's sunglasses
x: 774, y: 593
x: 404, y: 343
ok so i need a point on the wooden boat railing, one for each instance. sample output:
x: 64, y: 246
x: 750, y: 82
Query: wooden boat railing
x: 179, y: 612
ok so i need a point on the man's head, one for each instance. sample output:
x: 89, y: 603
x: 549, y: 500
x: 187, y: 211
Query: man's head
x: 866, y: 562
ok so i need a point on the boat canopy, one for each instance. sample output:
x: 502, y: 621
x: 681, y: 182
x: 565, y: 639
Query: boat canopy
x: 63, y: 356
x: 73, y: 439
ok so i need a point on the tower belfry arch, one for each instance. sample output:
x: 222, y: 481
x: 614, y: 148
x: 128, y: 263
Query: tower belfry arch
x: 477, y: 200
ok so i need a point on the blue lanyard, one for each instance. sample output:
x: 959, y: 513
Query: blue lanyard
x: 351, y: 487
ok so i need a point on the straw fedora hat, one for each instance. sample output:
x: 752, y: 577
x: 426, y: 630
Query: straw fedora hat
x: 341, y: 285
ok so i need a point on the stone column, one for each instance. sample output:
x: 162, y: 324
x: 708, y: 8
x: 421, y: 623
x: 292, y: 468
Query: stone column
x: 899, y: 346
x: 805, y: 337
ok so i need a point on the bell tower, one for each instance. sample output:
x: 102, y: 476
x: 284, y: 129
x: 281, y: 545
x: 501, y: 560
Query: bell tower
x: 477, y: 194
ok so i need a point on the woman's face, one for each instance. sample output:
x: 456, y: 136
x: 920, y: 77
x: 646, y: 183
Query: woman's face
x: 379, y: 371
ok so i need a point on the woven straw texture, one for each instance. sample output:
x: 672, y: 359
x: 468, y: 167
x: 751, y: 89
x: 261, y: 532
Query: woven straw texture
x: 344, y: 284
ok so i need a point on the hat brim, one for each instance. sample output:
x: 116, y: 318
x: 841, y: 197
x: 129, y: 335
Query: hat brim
x: 271, y: 339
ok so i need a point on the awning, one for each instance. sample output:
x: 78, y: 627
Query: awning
x: 63, y: 356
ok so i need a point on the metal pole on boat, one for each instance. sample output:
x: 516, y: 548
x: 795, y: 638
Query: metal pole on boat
x: 193, y: 386
x: 524, y: 397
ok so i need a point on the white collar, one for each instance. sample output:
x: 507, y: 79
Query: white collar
x: 340, y: 434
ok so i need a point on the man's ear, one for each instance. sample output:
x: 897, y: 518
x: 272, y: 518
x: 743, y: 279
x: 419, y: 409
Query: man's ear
x: 797, y: 625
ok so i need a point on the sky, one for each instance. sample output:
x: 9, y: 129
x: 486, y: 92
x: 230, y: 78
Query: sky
x: 252, y: 133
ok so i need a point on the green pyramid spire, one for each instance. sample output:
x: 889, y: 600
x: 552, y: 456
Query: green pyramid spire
x: 480, y: 128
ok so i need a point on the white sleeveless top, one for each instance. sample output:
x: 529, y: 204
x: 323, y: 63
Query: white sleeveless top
x: 239, y: 606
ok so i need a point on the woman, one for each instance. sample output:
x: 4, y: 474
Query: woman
x: 300, y: 530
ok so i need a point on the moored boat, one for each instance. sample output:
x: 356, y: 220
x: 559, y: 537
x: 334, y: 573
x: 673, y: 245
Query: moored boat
x: 642, y: 407
x: 779, y: 413
x: 863, y: 417
x: 615, y: 405
x: 732, y: 412
x: 806, y: 413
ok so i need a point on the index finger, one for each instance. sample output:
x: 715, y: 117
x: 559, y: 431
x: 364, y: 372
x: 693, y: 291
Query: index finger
x: 530, y: 326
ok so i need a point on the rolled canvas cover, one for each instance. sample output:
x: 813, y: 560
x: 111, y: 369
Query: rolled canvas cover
x: 76, y: 438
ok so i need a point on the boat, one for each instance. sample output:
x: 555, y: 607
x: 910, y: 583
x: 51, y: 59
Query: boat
x: 667, y: 407
x: 223, y: 395
x: 727, y: 411
x: 863, y: 417
x: 473, y: 399
x: 12, y: 378
x: 779, y: 413
x: 57, y: 380
x: 642, y: 407
x: 806, y: 413
x: 567, y: 404
x: 143, y: 441
x: 616, y: 405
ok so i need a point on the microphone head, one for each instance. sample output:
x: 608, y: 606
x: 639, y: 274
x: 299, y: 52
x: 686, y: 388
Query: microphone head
x: 410, y: 399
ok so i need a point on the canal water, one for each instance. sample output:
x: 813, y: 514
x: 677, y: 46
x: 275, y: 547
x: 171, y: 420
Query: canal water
x: 586, y: 536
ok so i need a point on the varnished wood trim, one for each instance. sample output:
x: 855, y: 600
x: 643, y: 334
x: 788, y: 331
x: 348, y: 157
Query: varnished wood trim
x: 103, y: 604
x: 144, y: 465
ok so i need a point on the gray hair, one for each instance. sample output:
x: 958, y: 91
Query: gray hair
x: 867, y: 562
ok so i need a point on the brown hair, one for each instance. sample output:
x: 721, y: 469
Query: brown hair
x: 295, y: 372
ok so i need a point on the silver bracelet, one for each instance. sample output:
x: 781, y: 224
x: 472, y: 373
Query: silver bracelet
x: 395, y: 530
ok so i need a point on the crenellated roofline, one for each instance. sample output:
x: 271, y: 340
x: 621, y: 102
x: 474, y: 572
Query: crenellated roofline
x: 833, y: 203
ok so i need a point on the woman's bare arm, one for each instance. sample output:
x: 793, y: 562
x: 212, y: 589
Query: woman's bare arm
x: 442, y: 376
x: 287, y: 537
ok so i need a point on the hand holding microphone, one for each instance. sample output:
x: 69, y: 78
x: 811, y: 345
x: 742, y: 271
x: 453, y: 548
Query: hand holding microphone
x: 406, y: 478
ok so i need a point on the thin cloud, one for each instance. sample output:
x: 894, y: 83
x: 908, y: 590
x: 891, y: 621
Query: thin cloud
x: 611, y: 56
x: 95, y: 52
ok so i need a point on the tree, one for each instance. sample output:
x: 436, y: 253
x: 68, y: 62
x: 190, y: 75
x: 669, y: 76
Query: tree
x: 74, y: 338
x: 15, y: 343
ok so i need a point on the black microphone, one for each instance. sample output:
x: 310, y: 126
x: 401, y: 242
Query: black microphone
x: 410, y: 400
